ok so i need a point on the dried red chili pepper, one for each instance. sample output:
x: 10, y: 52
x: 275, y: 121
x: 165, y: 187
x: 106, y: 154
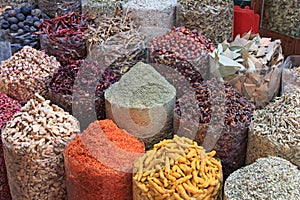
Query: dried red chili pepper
x: 62, y: 37
x: 8, y: 107
x: 99, y: 163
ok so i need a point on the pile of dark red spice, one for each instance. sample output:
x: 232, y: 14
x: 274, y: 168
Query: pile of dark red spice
x: 8, y: 107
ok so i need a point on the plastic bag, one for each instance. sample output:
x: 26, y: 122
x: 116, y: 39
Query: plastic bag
x: 291, y: 74
x: 99, y: 163
x: 59, y: 7
x: 33, y: 146
x: 5, y: 51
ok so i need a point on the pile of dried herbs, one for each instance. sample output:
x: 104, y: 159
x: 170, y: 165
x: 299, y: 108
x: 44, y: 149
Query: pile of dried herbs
x: 63, y: 37
x: 274, y: 130
x: 253, y: 65
x: 117, y: 43
x: 100, y: 9
x: 282, y: 16
x: 212, y: 18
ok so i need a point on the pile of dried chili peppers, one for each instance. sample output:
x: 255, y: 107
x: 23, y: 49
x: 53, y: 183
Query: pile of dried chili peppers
x: 62, y: 37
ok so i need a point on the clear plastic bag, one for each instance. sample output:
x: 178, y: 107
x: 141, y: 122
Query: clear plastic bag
x: 291, y: 74
x: 5, y: 51
x: 59, y: 7
x: 213, y: 19
x: 65, y: 49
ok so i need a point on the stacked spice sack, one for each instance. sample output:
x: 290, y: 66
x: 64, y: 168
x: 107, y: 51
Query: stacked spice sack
x: 22, y: 23
x: 33, y: 145
x: 99, y: 9
x: 99, y: 162
x: 8, y: 107
x: 214, y: 113
x: 177, y: 169
x: 27, y: 72
x: 266, y: 178
x: 274, y: 130
x: 213, y: 18
x: 252, y: 64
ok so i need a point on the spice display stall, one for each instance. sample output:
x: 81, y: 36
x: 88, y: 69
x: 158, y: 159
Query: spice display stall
x: 145, y: 99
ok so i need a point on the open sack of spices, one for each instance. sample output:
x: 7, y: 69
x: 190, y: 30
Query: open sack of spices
x: 153, y: 17
x: 116, y: 43
x: 177, y: 169
x: 266, y: 178
x: 217, y: 117
x: 8, y: 107
x: 212, y: 18
x: 99, y: 9
x: 282, y: 16
x: 62, y: 37
x: 27, y: 72
x: 22, y: 23
x: 99, y: 162
x: 252, y: 64
x: 274, y: 130
x: 181, y: 51
x: 291, y: 74
x: 33, y: 145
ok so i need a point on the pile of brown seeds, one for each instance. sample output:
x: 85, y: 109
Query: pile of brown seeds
x: 27, y: 72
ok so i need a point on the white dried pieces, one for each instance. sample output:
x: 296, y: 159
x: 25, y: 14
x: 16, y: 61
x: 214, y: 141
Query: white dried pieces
x: 26, y: 73
x: 33, y: 144
x: 275, y: 130
x: 268, y: 178
x: 253, y: 65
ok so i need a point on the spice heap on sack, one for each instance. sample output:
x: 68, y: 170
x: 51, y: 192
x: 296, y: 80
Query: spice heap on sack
x: 253, y: 65
x: 183, y: 50
x: 282, y: 16
x: 267, y: 178
x: 213, y: 19
x: 25, y: 73
x: 63, y: 37
x: 274, y: 130
x: 153, y: 17
x: 215, y: 114
x: 99, y: 163
x: 100, y: 9
x: 33, y: 145
x: 177, y: 169
x: 291, y: 74
x: 22, y: 23
x: 142, y: 103
x: 8, y: 107
x: 56, y: 8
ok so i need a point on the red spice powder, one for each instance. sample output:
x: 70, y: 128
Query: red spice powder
x: 8, y: 107
x: 99, y: 163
